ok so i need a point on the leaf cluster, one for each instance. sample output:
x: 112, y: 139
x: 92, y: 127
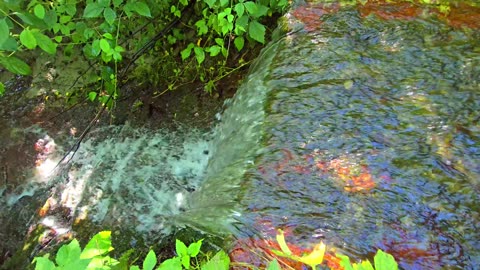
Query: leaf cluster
x: 95, y: 256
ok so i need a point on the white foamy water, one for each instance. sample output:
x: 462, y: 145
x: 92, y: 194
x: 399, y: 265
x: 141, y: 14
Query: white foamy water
x: 136, y: 178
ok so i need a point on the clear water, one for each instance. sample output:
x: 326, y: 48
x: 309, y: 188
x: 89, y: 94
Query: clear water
x: 395, y: 103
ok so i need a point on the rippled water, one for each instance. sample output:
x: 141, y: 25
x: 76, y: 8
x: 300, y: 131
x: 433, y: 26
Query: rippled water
x: 362, y: 133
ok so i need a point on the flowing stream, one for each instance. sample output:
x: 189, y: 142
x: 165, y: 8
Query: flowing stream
x: 351, y: 129
x: 359, y: 132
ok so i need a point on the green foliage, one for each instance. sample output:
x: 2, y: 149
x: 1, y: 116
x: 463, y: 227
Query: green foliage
x: 382, y: 261
x: 95, y: 256
x: 94, y: 26
x: 101, y: 29
x: 70, y: 256
x: 223, y: 21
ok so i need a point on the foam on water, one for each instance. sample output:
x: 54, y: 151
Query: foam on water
x: 135, y: 177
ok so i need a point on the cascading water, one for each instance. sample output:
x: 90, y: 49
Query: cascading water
x: 135, y: 177
x: 131, y: 178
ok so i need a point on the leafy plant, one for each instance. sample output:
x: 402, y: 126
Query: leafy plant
x: 95, y: 256
x: 227, y: 24
x: 97, y: 27
x: 70, y: 256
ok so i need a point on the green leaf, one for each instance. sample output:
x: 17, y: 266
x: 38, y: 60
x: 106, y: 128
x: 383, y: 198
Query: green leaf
x: 65, y: 30
x: 171, y: 264
x: 92, y: 10
x: 4, y: 31
x: 129, y: 8
x: 88, y: 33
x: 104, y: 3
x: 251, y: 7
x: 241, y: 25
x: 42, y: 263
x: 45, y: 43
x: 344, y: 262
x: 223, y: 3
x: 15, y: 65
x: 119, y: 48
x: 9, y: 45
x: 171, y: 39
x: 384, y: 261
x: 239, y: 9
x: 214, y: 50
x: 107, y: 57
x: 261, y: 11
x: 142, y: 9
x: 98, y: 245
x: 50, y: 18
x: 220, y: 261
x: 185, y: 53
x: 256, y: 31
x: 239, y: 43
x: 202, y: 27
x: 71, y: 9
x: 31, y: 20
x: 64, y: 19
x: 68, y: 253
x: 150, y: 261
x: 194, y: 248
x: 108, y: 36
x: 2, y: 89
x: 27, y: 39
x: 39, y: 11
x: 199, y: 54
x: 180, y: 247
x: 104, y: 45
x: 92, y: 96
x: 109, y: 15
x: 134, y: 267
x: 97, y: 263
x: 117, y: 3
x: 185, y: 261
x: 273, y: 265
x: 116, y: 56
x: 364, y: 265
x: 219, y: 41
x: 210, y: 3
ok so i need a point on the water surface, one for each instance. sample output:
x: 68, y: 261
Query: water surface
x: 360, y: 132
